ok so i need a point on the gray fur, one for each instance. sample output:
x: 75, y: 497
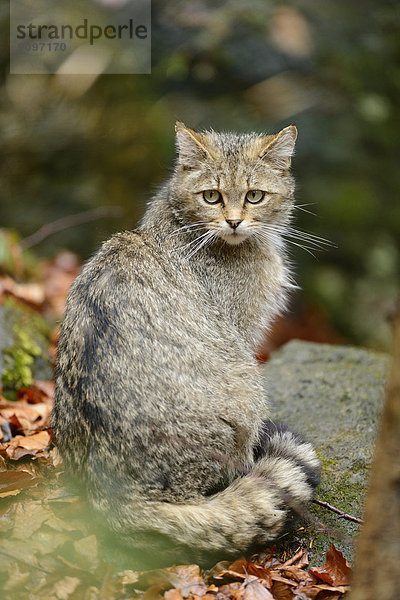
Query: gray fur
x: 159, y: 402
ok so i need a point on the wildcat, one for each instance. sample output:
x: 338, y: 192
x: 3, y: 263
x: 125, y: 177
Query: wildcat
x: 159, y: 406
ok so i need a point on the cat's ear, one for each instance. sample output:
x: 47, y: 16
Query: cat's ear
x: 279, y: 148
x: 191, y: 145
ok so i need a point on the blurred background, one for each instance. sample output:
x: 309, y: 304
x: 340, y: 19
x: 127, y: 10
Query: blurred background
x: 98, y: 146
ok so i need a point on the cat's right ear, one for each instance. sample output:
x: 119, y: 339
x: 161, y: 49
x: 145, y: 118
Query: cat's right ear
x: 190, y: 145
x: 279, y: 148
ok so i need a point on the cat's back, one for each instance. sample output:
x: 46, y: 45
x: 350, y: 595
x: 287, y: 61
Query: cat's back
x: 144, y: 350
x: 139, y: 288
x: 138, y: 321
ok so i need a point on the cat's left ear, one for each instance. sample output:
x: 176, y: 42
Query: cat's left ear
x: 279, y: 148
x: 191, y: 145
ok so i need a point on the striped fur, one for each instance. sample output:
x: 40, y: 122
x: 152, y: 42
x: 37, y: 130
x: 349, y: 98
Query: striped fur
x: 159, y: 403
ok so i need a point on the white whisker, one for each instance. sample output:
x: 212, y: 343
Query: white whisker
x: 314, y: 241
x: 192, y: 226
x: 301, y: 207
x: 206, y: 239
x: 192, y: 241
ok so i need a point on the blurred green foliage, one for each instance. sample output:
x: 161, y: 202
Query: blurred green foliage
x: 68, y: 145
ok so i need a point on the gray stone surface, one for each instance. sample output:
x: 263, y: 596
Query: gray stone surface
x: 333, y: 395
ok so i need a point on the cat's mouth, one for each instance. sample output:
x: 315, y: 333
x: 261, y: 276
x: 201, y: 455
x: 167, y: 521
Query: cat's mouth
x: 234, y: 237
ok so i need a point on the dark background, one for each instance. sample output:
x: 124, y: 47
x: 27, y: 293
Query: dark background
x: 332, y: 67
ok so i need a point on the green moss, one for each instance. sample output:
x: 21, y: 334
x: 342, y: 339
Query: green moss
x: 18, y: 362
x: 338, y: 490
x: 327, y: 464
x: 29, y: 333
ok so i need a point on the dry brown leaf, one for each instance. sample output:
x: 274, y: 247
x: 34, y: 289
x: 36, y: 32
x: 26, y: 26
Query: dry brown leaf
x: 275, y: 576
x: 7, y: 515
x: 242, y: 566
x: 34, y: 445
x: 87, y: 551
x: 16, y: 481
x: 29, y: 516
x: 319, y: 591
x: 59, y: 275
x: 19, y: 409
x: 184, y: 577
x: 299, y: 575
x: 128, y: 577
x: 227, y: 590
x: 282, y: 591
x: 254, y: 590
x: 59, y: 524
x: 39, y: 391
x: 336, y: 571
x: 187, y: 578
x: 16, y: 578
x: 32, y: 294
x: 65, y: 587
x: 153, y: 593
x: 174, y: 594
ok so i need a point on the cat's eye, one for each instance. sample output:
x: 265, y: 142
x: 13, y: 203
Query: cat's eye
x: 255, y: 196
x: 212, y: 196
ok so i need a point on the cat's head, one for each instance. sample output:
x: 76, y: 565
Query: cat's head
x: 236, y: 185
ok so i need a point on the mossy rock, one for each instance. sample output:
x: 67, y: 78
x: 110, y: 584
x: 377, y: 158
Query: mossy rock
x: 24, y: 342
x: 333, y: 395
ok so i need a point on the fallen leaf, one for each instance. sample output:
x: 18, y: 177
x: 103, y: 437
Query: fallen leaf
x: 282, y: 591
x: 319, y: 591
x: 253, y: 590
x: 19, y: 409
x: 184, y: 577
x: 336, y: 571
x: 276, y: 577
x: 153, y: 593
x: 39, y: 391
x: 243, y: 567
x: 32, y: 294
x: 28, y: 518
x: 65, y: 587
x: 59, y: 275
x: 33, y: 445
x: 86, y: 551
x: 297, y: 574
x: 16, y: 578
x: 128, y: 577
x: 16, y: 481
x: 174, y: 594
x: 7, y: 518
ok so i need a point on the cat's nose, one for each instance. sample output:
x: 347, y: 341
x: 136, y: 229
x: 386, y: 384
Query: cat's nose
x: 234, y: 222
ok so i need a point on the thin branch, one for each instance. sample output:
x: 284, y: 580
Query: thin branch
x: 342, y: 515
x: 70, y: 221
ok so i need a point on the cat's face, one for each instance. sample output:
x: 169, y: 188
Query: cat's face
x: 235, y: 186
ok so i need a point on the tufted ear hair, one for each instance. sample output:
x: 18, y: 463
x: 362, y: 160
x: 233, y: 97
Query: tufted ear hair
x: 191, y: 145
x: 279, y: 148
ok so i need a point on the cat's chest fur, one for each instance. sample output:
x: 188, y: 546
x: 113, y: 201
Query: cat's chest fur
x: 248, y: 285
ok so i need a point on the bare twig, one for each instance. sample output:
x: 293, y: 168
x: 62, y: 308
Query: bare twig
x: 69, y: 221
x: 342, y: 515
